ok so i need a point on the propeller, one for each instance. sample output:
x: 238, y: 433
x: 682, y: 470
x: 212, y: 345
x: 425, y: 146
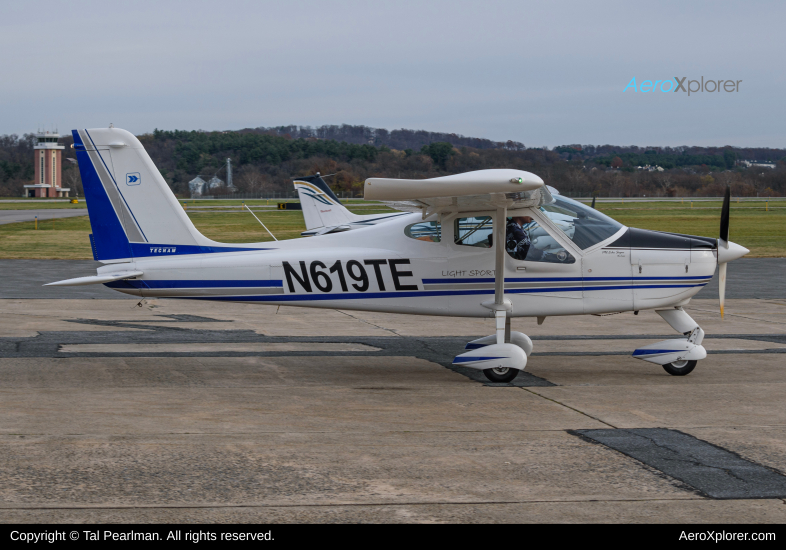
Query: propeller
x: 593, y: 202
x: 723, y: 241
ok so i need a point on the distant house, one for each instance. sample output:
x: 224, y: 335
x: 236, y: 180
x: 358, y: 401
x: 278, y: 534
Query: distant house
x: 755, y: 164
x: 649, y: 168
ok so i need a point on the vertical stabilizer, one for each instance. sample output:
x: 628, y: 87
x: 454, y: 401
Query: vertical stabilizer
x: 133, y: 212
x: 321, y: 207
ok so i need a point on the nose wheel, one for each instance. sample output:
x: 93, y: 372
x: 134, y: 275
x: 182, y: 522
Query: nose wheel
x: 679, y: 368
x: 501, y: 374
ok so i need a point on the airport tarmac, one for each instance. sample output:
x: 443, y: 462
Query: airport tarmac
x: 181, y: 411
x: 16, y: 216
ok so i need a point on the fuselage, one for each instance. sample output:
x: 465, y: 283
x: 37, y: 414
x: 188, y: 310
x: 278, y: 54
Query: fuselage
x: 398, y: 267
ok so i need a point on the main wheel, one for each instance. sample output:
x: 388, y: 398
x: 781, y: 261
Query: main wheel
x: 501, y: 374
x: 678, y: 368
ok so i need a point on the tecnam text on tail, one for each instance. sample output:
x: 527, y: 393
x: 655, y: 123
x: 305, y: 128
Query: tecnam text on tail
x: 444, y: 255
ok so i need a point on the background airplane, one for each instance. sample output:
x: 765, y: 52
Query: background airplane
x: 323, y: 213
x: 445, y: 255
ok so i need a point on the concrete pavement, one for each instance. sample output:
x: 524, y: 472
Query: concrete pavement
x: 185, y: 411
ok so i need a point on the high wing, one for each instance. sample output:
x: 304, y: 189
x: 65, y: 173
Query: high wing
x: 470, y: 191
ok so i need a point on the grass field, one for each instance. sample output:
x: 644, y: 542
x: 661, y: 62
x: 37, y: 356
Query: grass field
x: 763, y: 232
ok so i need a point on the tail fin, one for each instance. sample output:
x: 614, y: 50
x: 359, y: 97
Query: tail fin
x: 321, y: 207
x: 133, y: 213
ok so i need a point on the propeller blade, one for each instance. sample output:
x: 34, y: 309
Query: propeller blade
x: 722, y: 286
x: 593, y: 202
x: 724, y: 227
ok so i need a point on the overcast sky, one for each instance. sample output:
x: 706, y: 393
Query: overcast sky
x: 543, y: 73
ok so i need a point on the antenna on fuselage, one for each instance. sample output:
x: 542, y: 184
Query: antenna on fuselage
x: 260, y: 222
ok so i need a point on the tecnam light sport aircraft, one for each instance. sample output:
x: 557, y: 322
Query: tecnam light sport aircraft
x: 445, y: 255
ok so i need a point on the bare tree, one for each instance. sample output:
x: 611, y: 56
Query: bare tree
x: 664, y: 180
x: 251, y: 179
x: 72, y: 179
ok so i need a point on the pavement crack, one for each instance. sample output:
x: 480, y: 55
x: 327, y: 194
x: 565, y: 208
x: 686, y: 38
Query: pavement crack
x: 370, y: 323
x: 569, y: 407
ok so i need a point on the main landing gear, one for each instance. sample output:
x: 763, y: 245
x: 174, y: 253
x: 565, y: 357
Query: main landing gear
x: 500, y: 362
x: 677, y: 357
x: 498, y: 356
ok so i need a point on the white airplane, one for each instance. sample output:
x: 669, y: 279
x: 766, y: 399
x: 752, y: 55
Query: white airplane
x: 443, y: 257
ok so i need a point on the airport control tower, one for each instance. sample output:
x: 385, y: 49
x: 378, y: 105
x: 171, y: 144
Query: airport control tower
x: 47, y: 159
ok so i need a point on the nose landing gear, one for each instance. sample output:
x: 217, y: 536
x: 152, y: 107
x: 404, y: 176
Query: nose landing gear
x: 501, y: 374
x: 677, y: 357
x: 680, y: 368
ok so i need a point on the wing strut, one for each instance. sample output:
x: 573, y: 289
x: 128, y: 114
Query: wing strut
x: 500, y: 305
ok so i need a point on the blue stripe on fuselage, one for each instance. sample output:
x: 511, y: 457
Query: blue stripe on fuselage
x: 559, y: 279
x: 418, y: 294
x: 142, y: 250
x: 137, y: 283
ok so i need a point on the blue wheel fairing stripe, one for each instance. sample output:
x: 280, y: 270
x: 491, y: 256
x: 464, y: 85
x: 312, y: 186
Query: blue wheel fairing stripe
x: 656, y: 351
x: 460, y: 359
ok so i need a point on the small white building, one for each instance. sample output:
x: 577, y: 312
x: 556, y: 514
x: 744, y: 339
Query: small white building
x: 755, y: 164
x: 649, y: 168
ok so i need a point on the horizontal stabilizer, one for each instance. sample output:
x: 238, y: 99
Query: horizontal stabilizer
x: 97, y: 279
x: 326, y: 230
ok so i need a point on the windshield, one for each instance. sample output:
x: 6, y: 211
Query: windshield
x: 583, y: 225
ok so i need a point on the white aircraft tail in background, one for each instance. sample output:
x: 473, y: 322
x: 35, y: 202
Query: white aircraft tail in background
x: 324, y: 213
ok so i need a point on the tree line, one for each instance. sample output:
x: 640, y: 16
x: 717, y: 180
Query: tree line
x: 265, y: 160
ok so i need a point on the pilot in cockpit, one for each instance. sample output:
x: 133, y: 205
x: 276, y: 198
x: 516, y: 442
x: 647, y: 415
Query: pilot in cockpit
x: 517, y: 241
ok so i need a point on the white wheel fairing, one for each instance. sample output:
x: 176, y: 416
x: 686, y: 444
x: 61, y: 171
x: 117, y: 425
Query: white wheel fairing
x: 495, y: 356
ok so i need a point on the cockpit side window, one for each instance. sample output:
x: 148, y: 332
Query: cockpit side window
x: 583, y: 225
x: 475, y: 231
x: 424, y: 231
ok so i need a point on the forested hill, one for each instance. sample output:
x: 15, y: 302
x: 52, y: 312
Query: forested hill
x: 265, y: 160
